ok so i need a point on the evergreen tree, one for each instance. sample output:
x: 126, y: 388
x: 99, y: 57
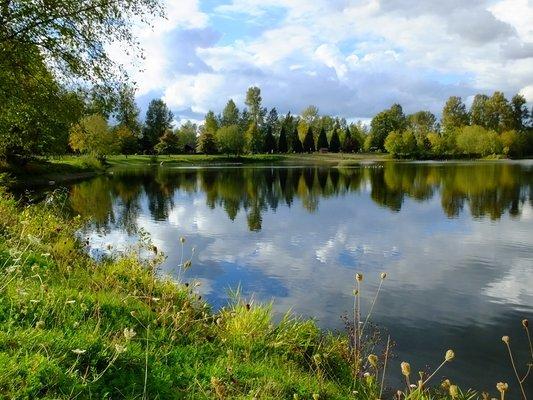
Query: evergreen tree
x: 230, y: 114
x: 308, y: 143
x: 351, y: 143
x: 254, y: 140
x: 296, y: 144
x: 282, y: 142
x: 335, y: 143
x: 270, y: 141
x: 158, y: 120
x: 322, y: 142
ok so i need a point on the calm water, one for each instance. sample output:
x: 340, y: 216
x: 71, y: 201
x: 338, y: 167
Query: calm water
x: 456, y: 240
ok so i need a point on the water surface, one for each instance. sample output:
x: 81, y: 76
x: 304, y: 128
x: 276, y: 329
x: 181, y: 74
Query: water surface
x: 456, y: 240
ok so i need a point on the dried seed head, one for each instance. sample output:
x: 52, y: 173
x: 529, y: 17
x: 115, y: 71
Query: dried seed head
x: 359, y: 277
x: 383, y: 275
x: 505, y: 339
x: 525, y: 323
x: 316, y: 396
x: 119, y: 348
x: 182, y: 239
x: 39, y: 324
x: 187, y: 264
x: 129, y: 333
x: 366, y: 375
x: 406, y: 368
x: 295, y: 396
x: 446, y: 384
x: 502, y: 387
x: 449, y: 355
x: 373, y: 360
x: 78, y: 351
x: 454, y: 391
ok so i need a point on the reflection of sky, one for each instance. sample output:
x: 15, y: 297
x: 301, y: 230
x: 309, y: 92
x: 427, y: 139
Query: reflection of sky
x: 458, y: 283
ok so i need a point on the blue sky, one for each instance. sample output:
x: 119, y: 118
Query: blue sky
x: 349, y: 58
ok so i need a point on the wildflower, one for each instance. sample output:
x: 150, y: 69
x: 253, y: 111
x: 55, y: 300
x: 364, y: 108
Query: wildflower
x: 39, y: 324
x: 454, y: 391
x: 182, y: 239
x: 70, y: 301
x: 316, y: 396
x: 502, y: 387
x: 446, y: 384
x: 366, y: 374
x: 359, y: 277
x: 129, y: 333
x: 79, y: 351
x: 317, y: 358
x: 525, y: 323
x: 295, y: 396
x: 373, y: 360
x: 155, y: 299
x: 406, y: 368
x: 449, y: 355
x: 505, y: 339
x: 383, y: 275
x: 119, y: 348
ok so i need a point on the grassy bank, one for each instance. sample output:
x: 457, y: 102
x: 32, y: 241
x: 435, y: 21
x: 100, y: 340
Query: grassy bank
x: 69, y: 168
x: 74, y: 328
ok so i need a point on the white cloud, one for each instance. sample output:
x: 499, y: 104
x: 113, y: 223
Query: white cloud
x: 351, y: 58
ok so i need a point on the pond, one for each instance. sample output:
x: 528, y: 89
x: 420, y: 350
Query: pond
x: 455, y: 238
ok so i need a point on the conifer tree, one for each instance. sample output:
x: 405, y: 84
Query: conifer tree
x: 309, y: 143
x: 270, y: 141
x: 282, y: 142
x: 296, y: 144
x: 322, y: 142
x: 335, y: 143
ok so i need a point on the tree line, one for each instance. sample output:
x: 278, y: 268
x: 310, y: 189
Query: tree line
x: 60, y: 92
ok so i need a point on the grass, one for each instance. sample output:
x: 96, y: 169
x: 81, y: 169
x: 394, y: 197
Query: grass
x: 74, y: 328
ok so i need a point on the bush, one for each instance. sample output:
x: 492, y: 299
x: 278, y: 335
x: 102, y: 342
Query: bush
x: 477, y: 141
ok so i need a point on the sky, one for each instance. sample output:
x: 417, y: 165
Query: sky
x: 350, y: 58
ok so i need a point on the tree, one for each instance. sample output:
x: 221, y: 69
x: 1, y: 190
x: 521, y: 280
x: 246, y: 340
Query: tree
x: 158, y: 121
x: 168, y: 143
x: 92, y: 136
x: 335, y: 143
x: 350, y: 143
x: 520, y: 112
x: 296, y: 144
x: 272, y: 121
x: 71, y: 34
x: 385, y: 122
x: 270, y: 141
x: 500, y: 113
x: 308, y: 143
x: 454, y: 115
x: 479, y: 113
x: 253, y: 101
x: 421, y: 123
x: 206, y: 142
x: 187, y: 137
x: 254, y: 139
x: 127, y: 112
x: 128, y: 142
x: 230, y: 114
x: 230, y: 140
x: 322, y: 142
x: 282, y: 142
x: 477, y: 141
